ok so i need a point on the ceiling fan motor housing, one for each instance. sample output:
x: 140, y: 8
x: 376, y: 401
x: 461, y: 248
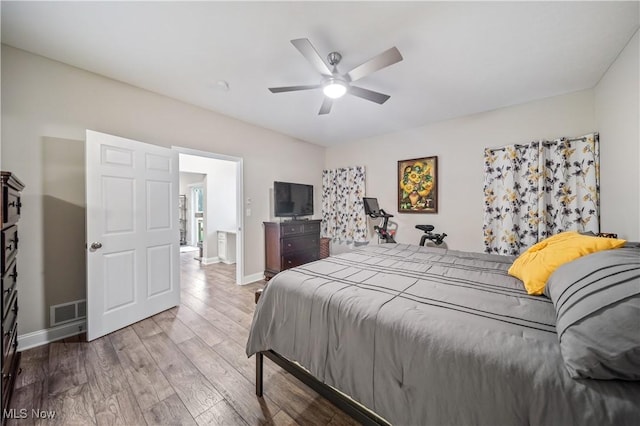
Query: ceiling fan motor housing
x: 334, y: 58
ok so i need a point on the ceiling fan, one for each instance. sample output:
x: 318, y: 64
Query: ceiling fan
x: 335, y: 85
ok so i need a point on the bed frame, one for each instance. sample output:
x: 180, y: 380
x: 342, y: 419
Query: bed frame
x: 357, y: 411
x: 346, y: 404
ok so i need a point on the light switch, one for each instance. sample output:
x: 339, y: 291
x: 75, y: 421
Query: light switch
x: 248, y: 212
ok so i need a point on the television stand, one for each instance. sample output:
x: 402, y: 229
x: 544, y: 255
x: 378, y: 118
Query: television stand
x: 289, y: 244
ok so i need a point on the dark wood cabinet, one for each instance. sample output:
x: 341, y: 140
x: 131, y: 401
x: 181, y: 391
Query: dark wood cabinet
x: 289, y: 244
x: 9, y: 214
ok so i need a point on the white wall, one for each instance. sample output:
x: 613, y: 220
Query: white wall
x: 187, y: 179
x: 44, y: 99
x: 459, y: 145
x: 618, y: 116
x: 219, y: 198
x: 221, y: 183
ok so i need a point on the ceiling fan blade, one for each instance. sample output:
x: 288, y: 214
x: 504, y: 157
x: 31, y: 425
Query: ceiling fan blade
x: 326, y: 106
x: 293, y: 88
x: 386, y: 58
x: 369, y: 95
x: 308, y: 51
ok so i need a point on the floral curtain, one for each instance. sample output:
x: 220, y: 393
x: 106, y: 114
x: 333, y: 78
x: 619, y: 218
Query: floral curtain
x: 343, y: 217
x: 540, y: 189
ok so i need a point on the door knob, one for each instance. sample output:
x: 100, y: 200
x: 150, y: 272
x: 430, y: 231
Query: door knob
x: 96, y: 246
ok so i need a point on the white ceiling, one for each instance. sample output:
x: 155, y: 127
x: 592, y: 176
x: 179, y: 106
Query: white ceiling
x: 459, y: 58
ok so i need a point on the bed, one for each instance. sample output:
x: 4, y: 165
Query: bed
x: 422, y: 335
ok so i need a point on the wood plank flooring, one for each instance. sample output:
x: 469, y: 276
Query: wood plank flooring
x: 184, y: 366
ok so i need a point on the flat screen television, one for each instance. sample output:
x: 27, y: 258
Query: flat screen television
x: 292, y: 199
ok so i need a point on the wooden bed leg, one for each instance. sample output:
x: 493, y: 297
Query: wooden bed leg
x: 259, y: 362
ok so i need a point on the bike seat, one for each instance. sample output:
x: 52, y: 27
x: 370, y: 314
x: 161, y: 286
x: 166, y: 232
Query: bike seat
x: 425, y: 228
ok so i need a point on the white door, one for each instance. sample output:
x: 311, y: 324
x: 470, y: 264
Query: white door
x: 132, y: 232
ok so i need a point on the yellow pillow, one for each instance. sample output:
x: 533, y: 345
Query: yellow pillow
x: 535, y: 266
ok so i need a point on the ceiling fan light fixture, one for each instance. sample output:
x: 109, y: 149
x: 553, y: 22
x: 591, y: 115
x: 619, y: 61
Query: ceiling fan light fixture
x: 334, y: 88
x: 333, y: 83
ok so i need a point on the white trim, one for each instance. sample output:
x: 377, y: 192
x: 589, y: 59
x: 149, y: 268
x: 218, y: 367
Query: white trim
x: 42, y: 337
x: 210, y: 260
x: 240, y: 212
x: 248, y: 279
x: 198, y: 153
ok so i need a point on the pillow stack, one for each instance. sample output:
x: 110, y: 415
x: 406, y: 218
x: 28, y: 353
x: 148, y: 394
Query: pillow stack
x: 597, y: 302
x: 535, y: 266
x: 596, y: 295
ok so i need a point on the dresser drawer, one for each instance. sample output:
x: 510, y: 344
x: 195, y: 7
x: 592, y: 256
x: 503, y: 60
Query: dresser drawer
x: 311, y: 228
x: 8, y: 368
x: 299, y: 258
x: 9, y: 330
x: 300, y: 228
x: 8, y: 286
x: 292, y: 229
x: 11, y: 206
x: 290, y: 245
x: 9, y: 246
x: 7, y: 358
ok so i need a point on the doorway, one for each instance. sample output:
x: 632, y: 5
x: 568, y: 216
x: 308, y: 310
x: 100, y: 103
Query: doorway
x: 213, y: 200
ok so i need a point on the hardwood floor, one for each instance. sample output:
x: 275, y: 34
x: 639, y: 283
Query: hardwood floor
x: 184, y: 366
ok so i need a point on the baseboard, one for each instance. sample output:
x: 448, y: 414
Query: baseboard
x: 248, y: 279
x: 210, y: 260
x: 228, y: 262
x: 42, y: 337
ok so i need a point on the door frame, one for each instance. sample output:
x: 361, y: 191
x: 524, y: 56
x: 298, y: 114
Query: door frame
x: 239, y: 201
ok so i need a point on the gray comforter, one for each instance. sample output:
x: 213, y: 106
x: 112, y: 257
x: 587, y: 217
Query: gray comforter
x: 429, y: 336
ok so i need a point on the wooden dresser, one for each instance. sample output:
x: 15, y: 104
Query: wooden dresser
x: 10, y: 213
x: 289, y: 244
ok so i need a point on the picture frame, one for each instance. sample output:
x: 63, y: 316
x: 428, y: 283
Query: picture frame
x: 418, y: 185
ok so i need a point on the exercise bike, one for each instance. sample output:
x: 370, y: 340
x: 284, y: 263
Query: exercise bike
x: 437, y: 239
x: 372, y: 210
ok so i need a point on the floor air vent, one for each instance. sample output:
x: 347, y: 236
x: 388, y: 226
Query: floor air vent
x: 67, y: 312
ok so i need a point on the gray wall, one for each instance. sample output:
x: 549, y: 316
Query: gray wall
x: 63, y: 222
x: 459, y: 145
x: 46, y: 107
x: 610, y: 108
x: 46, y: 102
x: 617, y: 99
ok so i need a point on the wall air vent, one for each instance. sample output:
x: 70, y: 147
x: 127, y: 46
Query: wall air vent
x: 67, y: 312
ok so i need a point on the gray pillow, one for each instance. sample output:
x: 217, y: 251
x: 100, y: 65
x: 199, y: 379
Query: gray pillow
x: 597, y: 302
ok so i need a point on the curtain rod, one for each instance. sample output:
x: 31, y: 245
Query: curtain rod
x: 547, y: 143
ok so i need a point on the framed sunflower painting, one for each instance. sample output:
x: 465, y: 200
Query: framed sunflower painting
x: 418, y: 185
